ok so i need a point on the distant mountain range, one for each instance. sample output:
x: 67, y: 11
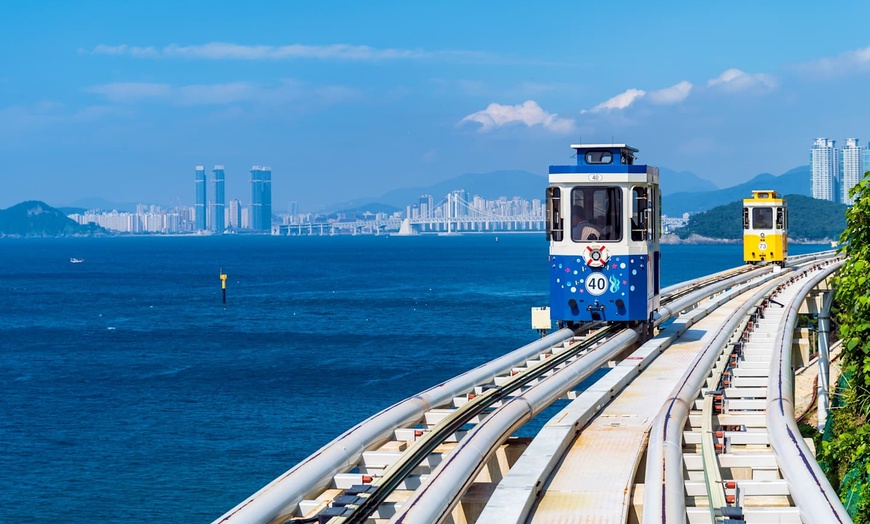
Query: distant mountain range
x: 509, y: 184
x: 797, y: 181
x: 682, y: 192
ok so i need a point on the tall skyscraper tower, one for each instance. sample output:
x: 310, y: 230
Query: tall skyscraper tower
x: 235, y: 220
x: 267, y: 199
x: 199, y: 208
x: 261, y: 198
x: 825, y: 165
x: 853, y: 167
x: 218, y: 211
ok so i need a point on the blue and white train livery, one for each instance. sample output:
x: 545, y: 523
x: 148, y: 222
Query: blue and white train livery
x: 603, y: 225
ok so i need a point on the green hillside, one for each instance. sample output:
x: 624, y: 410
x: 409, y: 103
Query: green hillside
x: 38, y: 219
x: 809, y: 219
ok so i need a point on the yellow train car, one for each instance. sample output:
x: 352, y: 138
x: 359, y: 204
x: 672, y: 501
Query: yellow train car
x: 765, y: 228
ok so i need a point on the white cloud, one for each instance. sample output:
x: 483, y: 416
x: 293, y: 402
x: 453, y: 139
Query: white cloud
x: 735, y: 80
x: 620, y: 101
x: 130, y: 92
x: 671, y: 95
x: 528, y: 113
x: 45, y: 114
x: 848, y: 62
x: 216, y: 94
x: 220, y: 94
x: 230, y: 51
x: 124, y: 49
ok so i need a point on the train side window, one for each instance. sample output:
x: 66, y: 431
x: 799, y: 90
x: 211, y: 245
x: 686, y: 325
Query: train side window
x: 608, y: 213
x: 599, y: 157
x: 780, y: 218
x: 762, y: 218
x: 554, y: 214
x: 639, y: 214
x: 745, y: 218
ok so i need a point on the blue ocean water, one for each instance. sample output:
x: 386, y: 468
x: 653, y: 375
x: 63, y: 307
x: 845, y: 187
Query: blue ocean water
x: 128, y: 390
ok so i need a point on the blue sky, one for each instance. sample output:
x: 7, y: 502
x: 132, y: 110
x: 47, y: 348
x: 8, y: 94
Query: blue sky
x: 121, y: 100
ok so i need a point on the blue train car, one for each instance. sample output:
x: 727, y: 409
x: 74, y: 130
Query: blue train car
x: 603, y: 226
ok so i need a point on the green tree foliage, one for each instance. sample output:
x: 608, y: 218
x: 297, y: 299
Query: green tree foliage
x: 720, y: 222
x: 848, y: 453
x: 812, y: 219
x: 853, y: 292
x: 809, y: 219
x: 846, y: 459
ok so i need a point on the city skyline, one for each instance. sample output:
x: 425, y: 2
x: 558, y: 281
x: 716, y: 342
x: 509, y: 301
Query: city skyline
x: 115, y: 100
x: 458, y: 205
x: 212, y: 211
x: 836, y: 170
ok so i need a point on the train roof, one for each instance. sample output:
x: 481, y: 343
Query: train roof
x: 602, y: 158
x: 764, y: 195
x: 603, y: 146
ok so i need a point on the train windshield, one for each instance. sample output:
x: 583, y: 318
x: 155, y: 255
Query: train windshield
x: 762, y: 218
x: 596, y: 214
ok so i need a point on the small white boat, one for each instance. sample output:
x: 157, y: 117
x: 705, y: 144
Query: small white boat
x: 74, y: 260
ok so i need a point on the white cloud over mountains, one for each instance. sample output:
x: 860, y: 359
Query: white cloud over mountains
x: 669, y: 95
x: 529, y: 113
x: 730, y: 81
x: 842, y: 64
x: 735, y: 80
x: 620, y: 101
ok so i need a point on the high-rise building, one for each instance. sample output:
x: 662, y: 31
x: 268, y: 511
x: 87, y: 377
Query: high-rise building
x: 426, y: 204
x: 261, y: 198
x: 199, y: 208
x: 825, y: 165
x: 235, y: 214
x: 853, y: 167
x: 267, y: 199
x: 218, y: 207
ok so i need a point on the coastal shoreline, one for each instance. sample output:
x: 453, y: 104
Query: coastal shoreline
x: 672, y: 239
